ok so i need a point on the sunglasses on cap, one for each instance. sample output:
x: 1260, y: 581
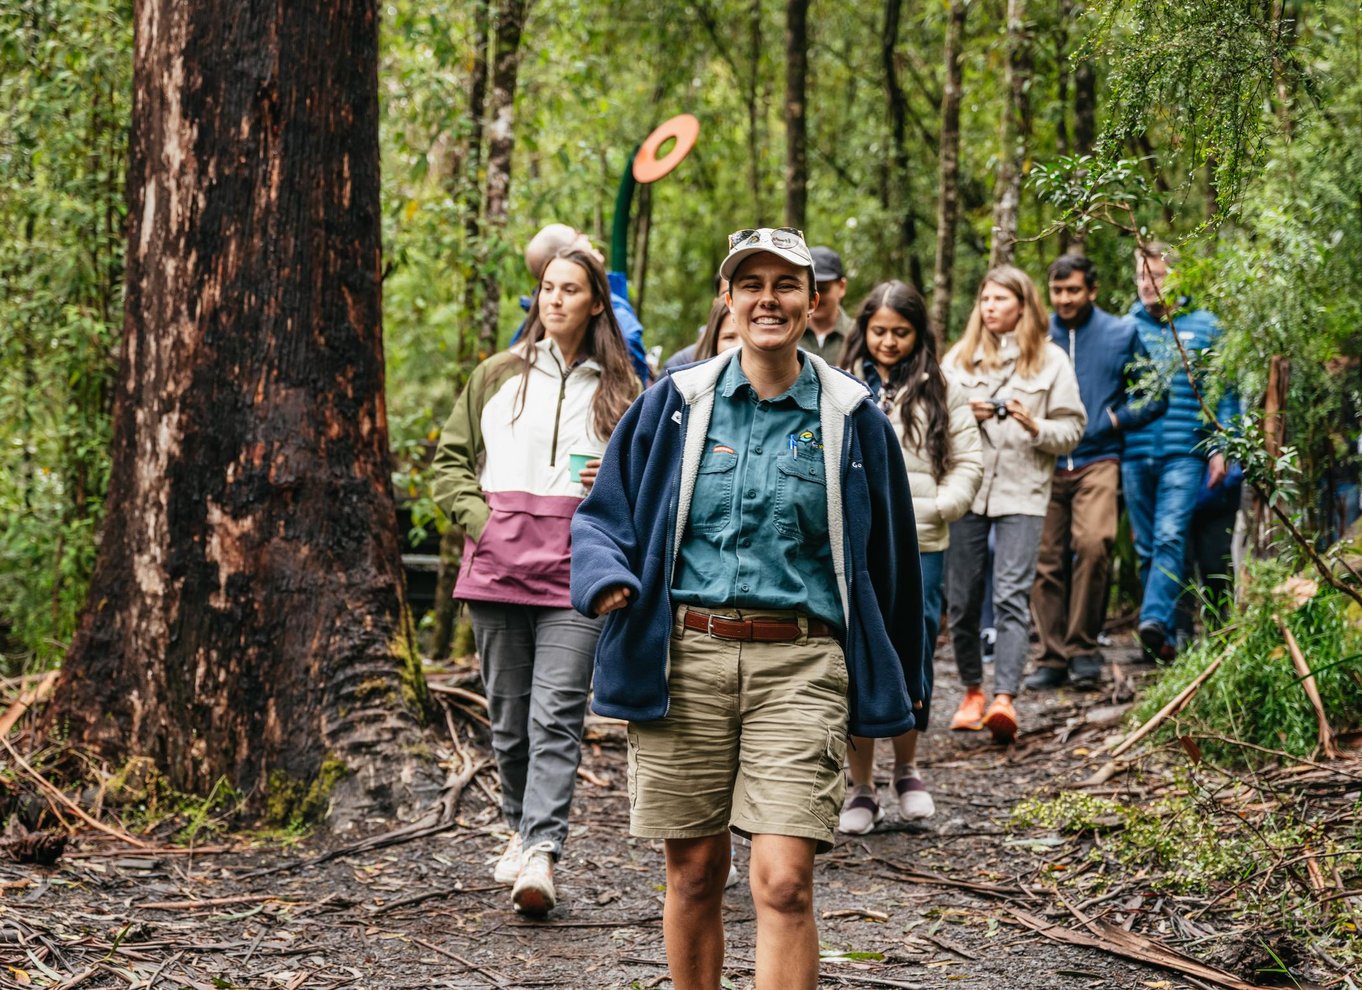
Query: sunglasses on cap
x: 785, y: 238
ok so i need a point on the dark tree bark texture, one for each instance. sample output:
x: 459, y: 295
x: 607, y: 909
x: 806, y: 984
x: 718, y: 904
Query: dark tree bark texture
x: 904, y: 255
x: 796, y: 77
x: 246, y: 618
x: 948, y: 180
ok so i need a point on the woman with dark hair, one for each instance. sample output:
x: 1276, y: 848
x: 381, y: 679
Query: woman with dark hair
x: 515, y: 459
x: 720, y: 333
x: 1024, y: 395
x: 892, y: 349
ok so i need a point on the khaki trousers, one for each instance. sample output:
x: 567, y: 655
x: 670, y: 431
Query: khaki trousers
x: 1074, y: 562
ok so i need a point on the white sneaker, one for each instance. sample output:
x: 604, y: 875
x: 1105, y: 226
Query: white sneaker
x: 533, y: 893
x: 915, y: 801
x: 860, y: 811
x: 508, y: 866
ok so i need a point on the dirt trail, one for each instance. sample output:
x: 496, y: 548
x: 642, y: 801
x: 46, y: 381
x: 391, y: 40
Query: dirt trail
x: 426, y: 914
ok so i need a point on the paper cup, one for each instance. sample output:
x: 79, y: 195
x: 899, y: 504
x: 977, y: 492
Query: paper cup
x: 578, y: 461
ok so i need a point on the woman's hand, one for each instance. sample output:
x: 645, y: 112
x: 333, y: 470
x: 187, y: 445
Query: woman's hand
x: 1017, y: 411
x: 587, y: 475
x: 982, y: 409
x: 611, y: 599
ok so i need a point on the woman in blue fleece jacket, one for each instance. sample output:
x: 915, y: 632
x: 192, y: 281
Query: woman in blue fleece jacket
x: 763, y: 598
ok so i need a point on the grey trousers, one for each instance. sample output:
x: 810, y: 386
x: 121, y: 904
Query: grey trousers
x: 1016, y: 540
x: 536, y: 666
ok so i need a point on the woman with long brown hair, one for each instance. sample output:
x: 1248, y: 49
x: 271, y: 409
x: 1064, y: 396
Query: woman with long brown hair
x: 516, y: 457
x: 892, y: 349
x: 1024, y: 395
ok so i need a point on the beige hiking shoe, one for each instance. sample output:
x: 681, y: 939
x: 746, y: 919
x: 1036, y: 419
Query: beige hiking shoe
x: 533, y: 893
x: 507, y: 869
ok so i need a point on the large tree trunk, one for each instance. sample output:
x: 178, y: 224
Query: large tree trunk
x: 796, y: 75
x: 246, y: 619
x: 904, y: 255
x: 510, y: 22
x: 1013, y: 133
x: 948, y: 179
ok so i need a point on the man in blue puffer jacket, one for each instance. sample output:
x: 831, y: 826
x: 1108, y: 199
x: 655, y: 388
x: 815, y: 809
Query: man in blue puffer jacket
x: 1080, y: 522
x: 1163, y: 464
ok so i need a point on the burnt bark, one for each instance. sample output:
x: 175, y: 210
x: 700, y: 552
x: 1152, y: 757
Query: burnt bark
x: 796, y: 79
x: 510, y: 22
x: 1013, y: 132
x: 246, y: 619
x: 948, y: 178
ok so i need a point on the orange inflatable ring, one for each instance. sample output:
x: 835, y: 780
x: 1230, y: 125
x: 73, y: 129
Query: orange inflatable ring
x: 647, y: 166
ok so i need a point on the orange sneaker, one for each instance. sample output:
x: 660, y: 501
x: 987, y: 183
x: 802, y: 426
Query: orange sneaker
x: 1001, y: 719
x: 969, y: 717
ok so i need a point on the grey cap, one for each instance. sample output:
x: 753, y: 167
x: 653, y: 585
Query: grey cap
x: 827, y: 264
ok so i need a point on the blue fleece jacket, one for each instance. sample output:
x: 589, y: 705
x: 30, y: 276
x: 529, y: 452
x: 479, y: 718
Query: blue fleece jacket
x: 1102, y: 350
x: 1181, y: 431
x: 628, y: 529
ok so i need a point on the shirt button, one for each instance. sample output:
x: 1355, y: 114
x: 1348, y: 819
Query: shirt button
x: 751, y: 493
x: 757, y: 450
x: 746, y: 542
x: 746, y: 588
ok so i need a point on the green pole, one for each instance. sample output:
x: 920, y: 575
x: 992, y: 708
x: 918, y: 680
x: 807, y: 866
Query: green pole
x: 619, y: 230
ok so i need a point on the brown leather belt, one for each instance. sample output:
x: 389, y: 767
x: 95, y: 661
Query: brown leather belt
x: 753, y: 630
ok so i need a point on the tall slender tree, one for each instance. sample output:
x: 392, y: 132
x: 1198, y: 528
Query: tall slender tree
x: 948, y: 179
x: 796, y: 75
x: 904, y: 253
x: 510, y: 23
x: 246, y: 618
x: 1013, y: 135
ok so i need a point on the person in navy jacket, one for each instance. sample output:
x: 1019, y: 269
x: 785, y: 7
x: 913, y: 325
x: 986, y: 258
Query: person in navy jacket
x: 762, y: 600
x: 1164, y: 463
x: 1080, y: 525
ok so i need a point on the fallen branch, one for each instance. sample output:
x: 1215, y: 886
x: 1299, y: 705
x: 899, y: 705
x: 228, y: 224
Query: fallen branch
x: 211, y: 902
x: 33, y: 696
x: 1307, y: 677
x: 66, y: 802
x: 1169, y: 710
x: 458, y: 692
x: 1119, y: 942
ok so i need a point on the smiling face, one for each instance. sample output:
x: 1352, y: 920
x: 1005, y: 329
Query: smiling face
x: 770, y: 300
x: 1070, y: 297
x: 999, y: 308
x: 565, y: 303
x: 889, y: 338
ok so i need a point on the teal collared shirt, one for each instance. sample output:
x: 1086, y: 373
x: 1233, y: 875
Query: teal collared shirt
x: 757, y: 536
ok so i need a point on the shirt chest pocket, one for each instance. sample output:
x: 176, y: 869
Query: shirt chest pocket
x: 711, y: 504
x: 802, y: 497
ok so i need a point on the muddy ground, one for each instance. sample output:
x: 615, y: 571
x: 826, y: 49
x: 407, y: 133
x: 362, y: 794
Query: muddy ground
x: 936, y: 902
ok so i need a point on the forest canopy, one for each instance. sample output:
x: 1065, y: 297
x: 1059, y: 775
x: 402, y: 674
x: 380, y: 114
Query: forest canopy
x: 1230, y: 128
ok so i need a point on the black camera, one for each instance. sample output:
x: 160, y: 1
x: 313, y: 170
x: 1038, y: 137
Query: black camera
x: 1000, y: 408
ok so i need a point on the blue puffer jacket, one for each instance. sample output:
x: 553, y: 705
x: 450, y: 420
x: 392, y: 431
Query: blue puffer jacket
x: 1102, y: 350
x: 1181, y: 431
x: 629, y: 528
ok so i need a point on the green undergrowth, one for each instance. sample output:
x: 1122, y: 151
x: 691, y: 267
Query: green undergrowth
x: 1256, y: 695
x: 1216, y: 852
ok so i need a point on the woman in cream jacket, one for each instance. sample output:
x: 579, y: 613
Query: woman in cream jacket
x: 1024, y: 395
x: 892, y: 349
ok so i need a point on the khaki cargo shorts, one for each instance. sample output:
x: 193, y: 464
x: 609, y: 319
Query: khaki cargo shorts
x: 754, y: 739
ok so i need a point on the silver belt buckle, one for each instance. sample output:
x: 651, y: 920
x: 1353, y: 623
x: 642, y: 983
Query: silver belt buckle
x: 709, y: 626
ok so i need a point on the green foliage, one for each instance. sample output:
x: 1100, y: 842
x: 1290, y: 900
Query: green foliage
x: 292, y: 804
x: 1256, y: 695
x: 1194, y: 842
x: 65, y: 71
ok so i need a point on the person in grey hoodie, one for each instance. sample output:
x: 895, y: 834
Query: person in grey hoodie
x: 1080, y: 524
